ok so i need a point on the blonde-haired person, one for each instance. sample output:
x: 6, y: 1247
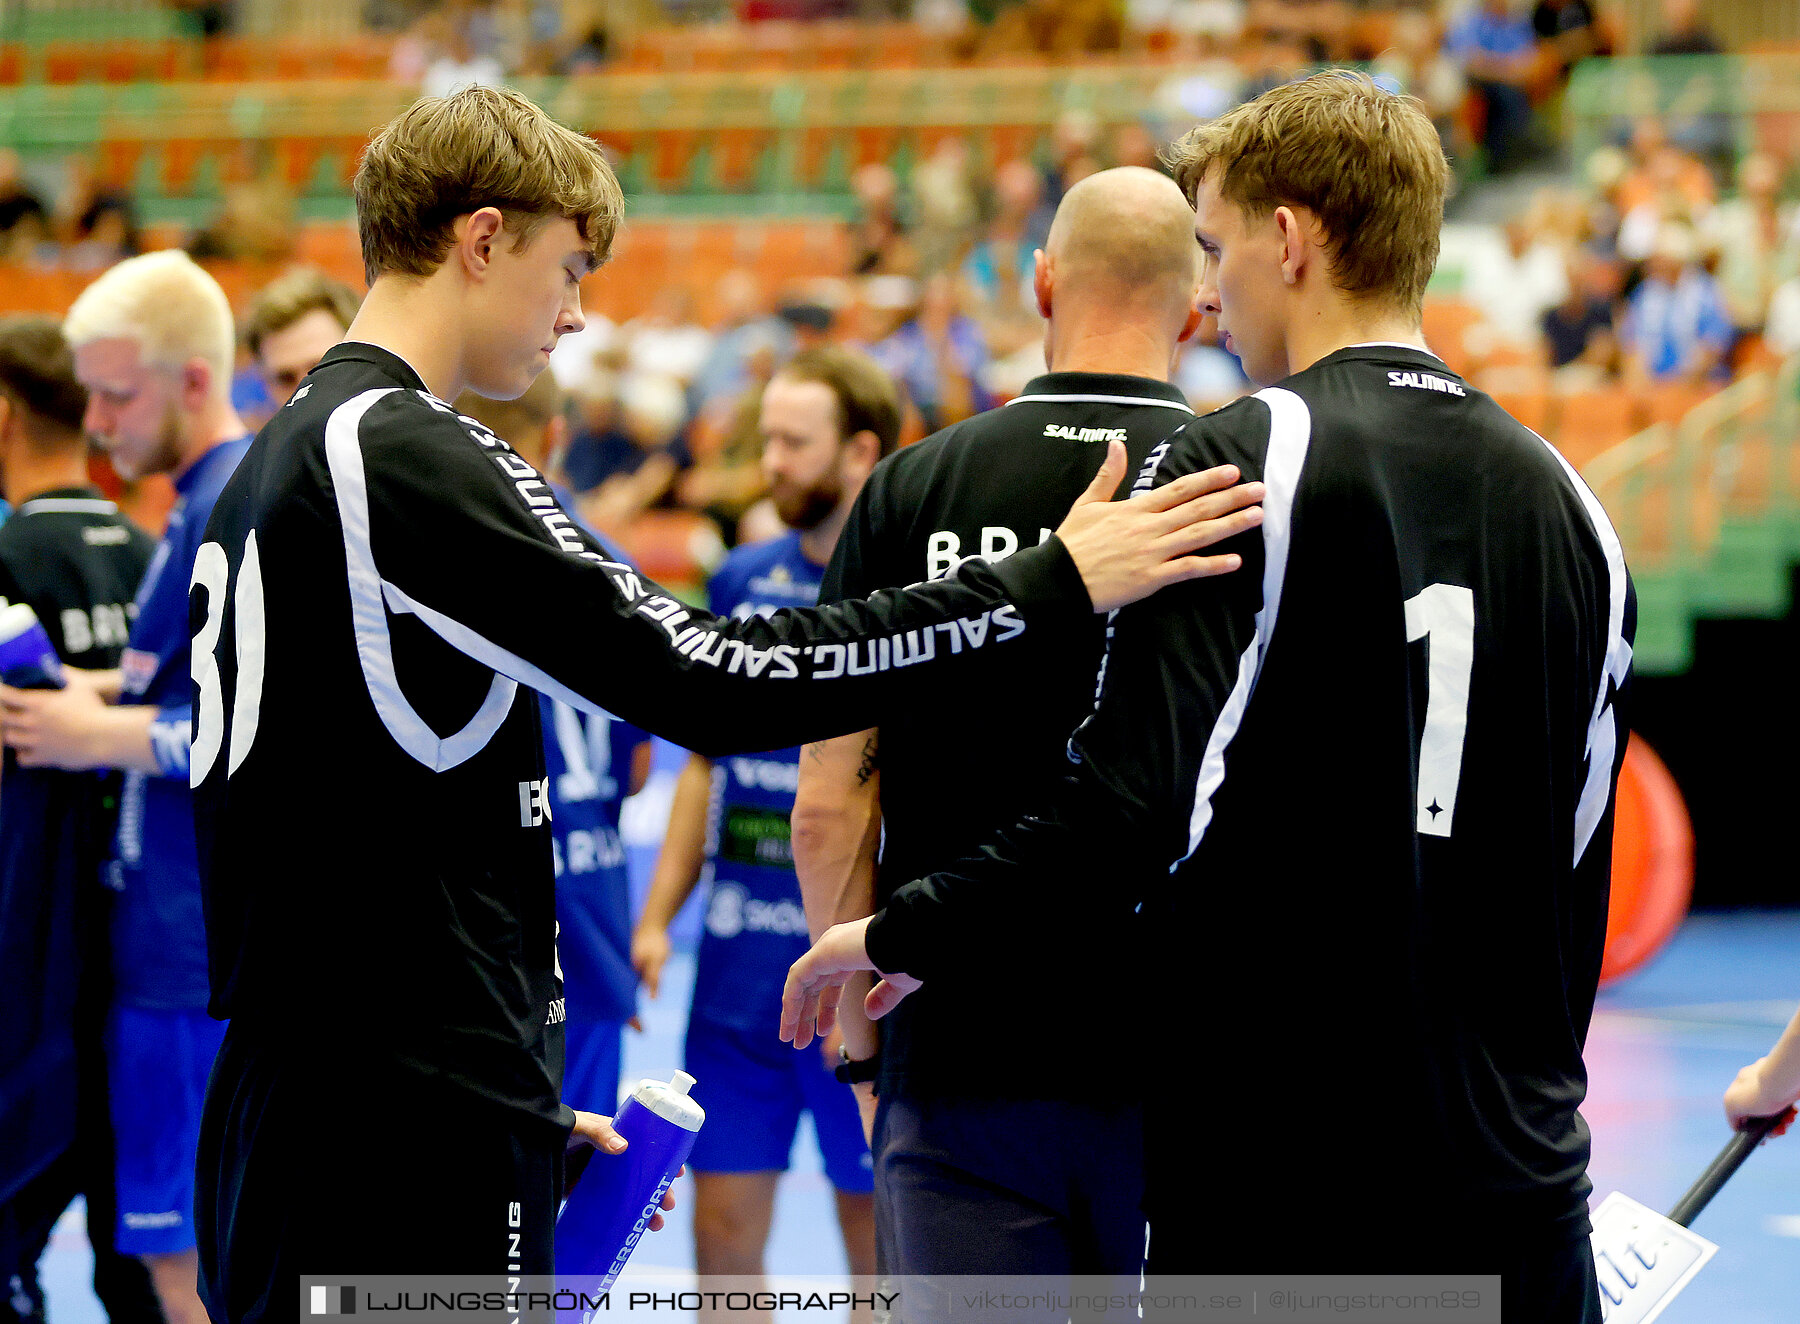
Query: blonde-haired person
x: 1362, y: 792
x: 152, y: 341
x: 380, y: 579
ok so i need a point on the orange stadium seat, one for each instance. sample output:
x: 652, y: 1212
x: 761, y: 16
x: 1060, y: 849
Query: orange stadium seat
x: 1446, y: 322
x: 1532, y: 408
x: 1588, y: 422
x: 1669, y: 402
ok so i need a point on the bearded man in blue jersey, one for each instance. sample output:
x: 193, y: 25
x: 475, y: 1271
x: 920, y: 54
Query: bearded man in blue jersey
x: 827, y: 418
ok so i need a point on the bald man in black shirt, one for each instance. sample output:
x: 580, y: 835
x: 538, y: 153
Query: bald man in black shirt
x: 987, y: 1114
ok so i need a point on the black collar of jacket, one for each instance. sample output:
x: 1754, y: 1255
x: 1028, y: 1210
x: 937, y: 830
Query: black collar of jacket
x: 1103, y: 383
x: 360, y: 351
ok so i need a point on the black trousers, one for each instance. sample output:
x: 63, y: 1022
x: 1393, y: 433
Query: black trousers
x: 308, y: 1169
x: 1008, y: 1186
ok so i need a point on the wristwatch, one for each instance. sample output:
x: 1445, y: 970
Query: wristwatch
x: 852, y: 1071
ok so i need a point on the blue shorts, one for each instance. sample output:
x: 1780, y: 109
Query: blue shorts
x: 157, y: 1064
x: 591, y: 1066
x: 754, y: 1088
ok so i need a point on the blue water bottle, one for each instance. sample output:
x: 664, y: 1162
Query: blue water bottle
x: 28, y: 659
x: 619, y: 1194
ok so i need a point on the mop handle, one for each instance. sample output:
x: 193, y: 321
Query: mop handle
x: 1719, y: 1171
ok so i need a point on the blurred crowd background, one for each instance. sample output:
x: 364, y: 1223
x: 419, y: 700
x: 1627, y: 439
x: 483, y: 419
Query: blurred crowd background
x: 1621, y: 267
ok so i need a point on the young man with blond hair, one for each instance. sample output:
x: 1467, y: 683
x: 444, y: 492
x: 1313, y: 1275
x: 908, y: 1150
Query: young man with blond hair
x: 153, y: 345
x: 395, y: 957
x: 1362, y: 791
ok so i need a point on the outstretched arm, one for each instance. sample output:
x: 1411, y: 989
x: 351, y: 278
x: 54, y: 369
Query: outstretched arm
x: 1110, y: 831
x: 409, y: 508
x: 1769, y: 1084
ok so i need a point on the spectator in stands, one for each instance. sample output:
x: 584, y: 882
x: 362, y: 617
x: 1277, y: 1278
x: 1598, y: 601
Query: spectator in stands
x: 1781, y: 332
x: 1498, y: 52
x: 292, y: 322
x: 746, y: 331
x: 443, y: 45
x: 586, y: 362
x: 937, y: 355
x: 999, y: 268
x: 1318, y: 27
x: 24, y: 221
x: 810, y: 319
x: 944, y: 204
x: 726, y: 479
x: 1570, y: 29
x: 1752, y: 234
x: 1074, y: 136
x: 879, y: 242
x: 1659, y: 166
x: 1662, y: 184
x: 1604, y: 174
x: 1054, y: 27
x: 1132, y: 145
x: 667, y: 341
x: 1684, y: 31
x: 622, y: 473
x: 104, y: 233
x: 257, y: 219
x: 1675, y: 326
x: 1513, y: 283
x: 1579, y: 342
x: 213, y: 18
x: 1268, y: 63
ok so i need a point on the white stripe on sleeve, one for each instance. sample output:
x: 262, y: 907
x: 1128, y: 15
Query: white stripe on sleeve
x: 368, y: 611
x: 1603, y: 732
x: 1290, y: 434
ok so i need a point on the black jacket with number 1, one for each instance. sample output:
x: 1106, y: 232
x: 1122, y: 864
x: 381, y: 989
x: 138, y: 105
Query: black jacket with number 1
x: 1362, y: 791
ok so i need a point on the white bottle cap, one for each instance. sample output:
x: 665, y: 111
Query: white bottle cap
x: 15, y: 618
x: 670, y: 1101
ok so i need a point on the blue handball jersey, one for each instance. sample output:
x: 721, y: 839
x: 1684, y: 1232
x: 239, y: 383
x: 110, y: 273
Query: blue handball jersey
x: 158, y: 932
x: 587, y: 758
x: 755, y: 926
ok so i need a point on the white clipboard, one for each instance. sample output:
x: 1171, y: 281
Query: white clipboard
x: 1642, y: 1259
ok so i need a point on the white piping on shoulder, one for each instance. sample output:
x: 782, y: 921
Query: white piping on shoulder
x: 370, y: 596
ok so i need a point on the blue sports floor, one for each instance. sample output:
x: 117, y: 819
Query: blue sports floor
x: 1665, y: 1043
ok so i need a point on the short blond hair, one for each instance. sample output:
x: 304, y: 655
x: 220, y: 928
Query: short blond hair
x: 478, y: 147
x: 1366, y: 162
x: 164, y: 302
x: 288, y: 298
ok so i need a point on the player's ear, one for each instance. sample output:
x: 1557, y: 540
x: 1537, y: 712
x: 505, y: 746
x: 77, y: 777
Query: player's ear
x: 1041, y: 281
x: 863, y: 450
x: 477, y: 237
x: 1293, y: 244
x: 196, y: 383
